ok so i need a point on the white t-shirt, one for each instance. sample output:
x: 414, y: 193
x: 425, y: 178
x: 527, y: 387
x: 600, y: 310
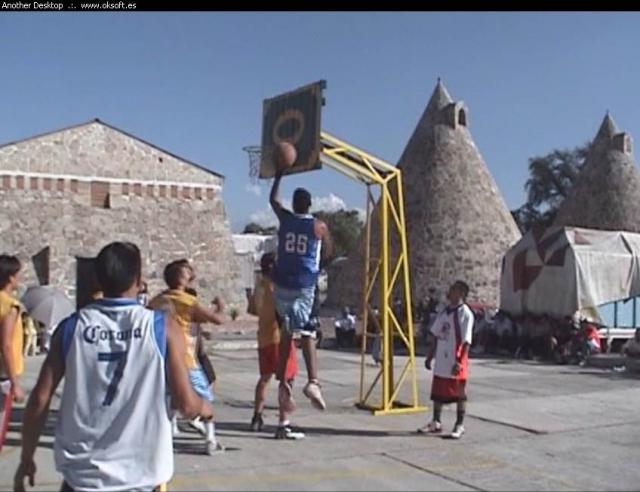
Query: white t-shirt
x: 347, y: 323
x: 444, y: 330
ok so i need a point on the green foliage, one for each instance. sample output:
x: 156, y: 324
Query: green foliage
x: 551, y: 178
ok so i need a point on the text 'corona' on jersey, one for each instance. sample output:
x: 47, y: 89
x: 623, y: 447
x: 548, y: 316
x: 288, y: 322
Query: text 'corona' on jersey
x: 92, y: 334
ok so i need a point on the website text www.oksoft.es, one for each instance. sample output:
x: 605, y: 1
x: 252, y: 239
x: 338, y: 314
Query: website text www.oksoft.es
x: 26, y: 6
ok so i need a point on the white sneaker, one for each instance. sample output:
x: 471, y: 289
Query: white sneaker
x: 458, y: 430
x: 198, y: 425
x: 432, y: 427
x: 286, y: 432
x: 213, y: 448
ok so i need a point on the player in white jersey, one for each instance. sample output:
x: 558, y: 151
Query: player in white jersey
x: 452, y: 336
x: 113, y: 431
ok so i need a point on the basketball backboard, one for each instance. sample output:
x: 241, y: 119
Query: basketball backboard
x: 295, y: 117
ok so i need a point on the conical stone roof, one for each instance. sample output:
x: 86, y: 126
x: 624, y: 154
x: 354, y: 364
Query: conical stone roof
x: 458, y: 224
x: 606, y: 194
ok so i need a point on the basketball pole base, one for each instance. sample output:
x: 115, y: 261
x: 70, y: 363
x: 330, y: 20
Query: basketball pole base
x: 397, y: 407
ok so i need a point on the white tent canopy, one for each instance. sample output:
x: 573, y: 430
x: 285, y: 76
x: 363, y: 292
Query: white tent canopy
x: 561, y: 270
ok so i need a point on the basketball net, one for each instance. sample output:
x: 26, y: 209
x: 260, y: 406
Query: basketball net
x: 255, y: 156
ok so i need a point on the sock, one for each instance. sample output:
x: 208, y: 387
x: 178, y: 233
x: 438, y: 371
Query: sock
x: 211, y: 432
x: 174, y: 422
x: 437, y: 412
x: 284, y: 423
x: 460, y: 411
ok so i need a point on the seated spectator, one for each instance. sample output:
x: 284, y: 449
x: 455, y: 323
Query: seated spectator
x: 345, y: 329
x: 588, y: 341
x: 560, y: 341
x: 632, y: 347
x: 503, y: 327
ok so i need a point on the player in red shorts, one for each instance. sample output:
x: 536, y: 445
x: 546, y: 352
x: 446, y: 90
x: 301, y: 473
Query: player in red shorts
x: 268, y: 348
x: 451, y: 334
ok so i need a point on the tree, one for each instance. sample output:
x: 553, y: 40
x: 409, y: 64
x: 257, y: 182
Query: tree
x: 551, y: 179
x: 253, y: 228
x: 345, y: 227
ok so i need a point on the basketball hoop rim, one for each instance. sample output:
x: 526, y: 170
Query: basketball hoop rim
x: 252, y: 148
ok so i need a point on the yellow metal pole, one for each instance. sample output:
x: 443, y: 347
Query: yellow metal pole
x: 407, y: 286
x: 384, y: 295
x: 358, y: 165
x: 365, y: 290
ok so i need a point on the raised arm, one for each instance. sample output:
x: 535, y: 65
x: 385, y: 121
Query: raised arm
x: 203, y: 314
x: 274, y: 198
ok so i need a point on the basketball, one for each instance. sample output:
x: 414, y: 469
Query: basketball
x: 285, y: 155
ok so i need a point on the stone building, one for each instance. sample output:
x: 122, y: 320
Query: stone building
x: 606, y: 194
x: 458, y: 224
x: 67, y: 193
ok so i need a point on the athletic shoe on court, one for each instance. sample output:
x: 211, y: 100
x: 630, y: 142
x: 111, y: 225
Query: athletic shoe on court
x: 213, y: 448
x: 432, y: 427
x: 198, y: 425
x: 257, y: 423
x: 286, y: 432
x: 312, y: 391
x: 458, y: 430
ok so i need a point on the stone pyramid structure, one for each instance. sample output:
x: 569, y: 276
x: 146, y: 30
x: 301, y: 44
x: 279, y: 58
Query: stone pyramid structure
x: 606, y: 194
x: 459, y: 226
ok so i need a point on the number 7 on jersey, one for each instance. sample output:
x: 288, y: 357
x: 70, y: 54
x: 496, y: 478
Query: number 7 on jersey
x: 120, y: 358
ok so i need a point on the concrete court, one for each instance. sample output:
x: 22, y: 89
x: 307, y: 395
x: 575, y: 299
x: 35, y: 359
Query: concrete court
x: 529, y: 427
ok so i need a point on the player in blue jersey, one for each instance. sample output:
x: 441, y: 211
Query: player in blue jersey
x: 303, y: 242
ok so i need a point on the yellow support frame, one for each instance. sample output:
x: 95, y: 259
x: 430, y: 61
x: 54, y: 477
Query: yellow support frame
x: 390, y: 273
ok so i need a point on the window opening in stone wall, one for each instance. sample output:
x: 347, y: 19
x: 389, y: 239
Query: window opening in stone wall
x: 86, y: 281
x: 100, y: 196
x: 41, y: 262
x: 462, y: 117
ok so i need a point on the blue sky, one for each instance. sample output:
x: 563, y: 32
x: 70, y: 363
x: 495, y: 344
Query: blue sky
x: 193, y: 83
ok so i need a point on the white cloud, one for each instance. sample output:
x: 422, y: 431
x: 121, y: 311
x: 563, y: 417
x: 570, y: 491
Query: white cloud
x: 331, y: 203
x: 264, y: 217
x: 253, y: 188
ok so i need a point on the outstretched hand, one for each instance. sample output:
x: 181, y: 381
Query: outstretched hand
x: 25, y: 469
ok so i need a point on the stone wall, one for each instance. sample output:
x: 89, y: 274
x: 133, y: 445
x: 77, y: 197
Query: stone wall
x: 99, y: 150
x: 164, y: 228
x: 168, y: 207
